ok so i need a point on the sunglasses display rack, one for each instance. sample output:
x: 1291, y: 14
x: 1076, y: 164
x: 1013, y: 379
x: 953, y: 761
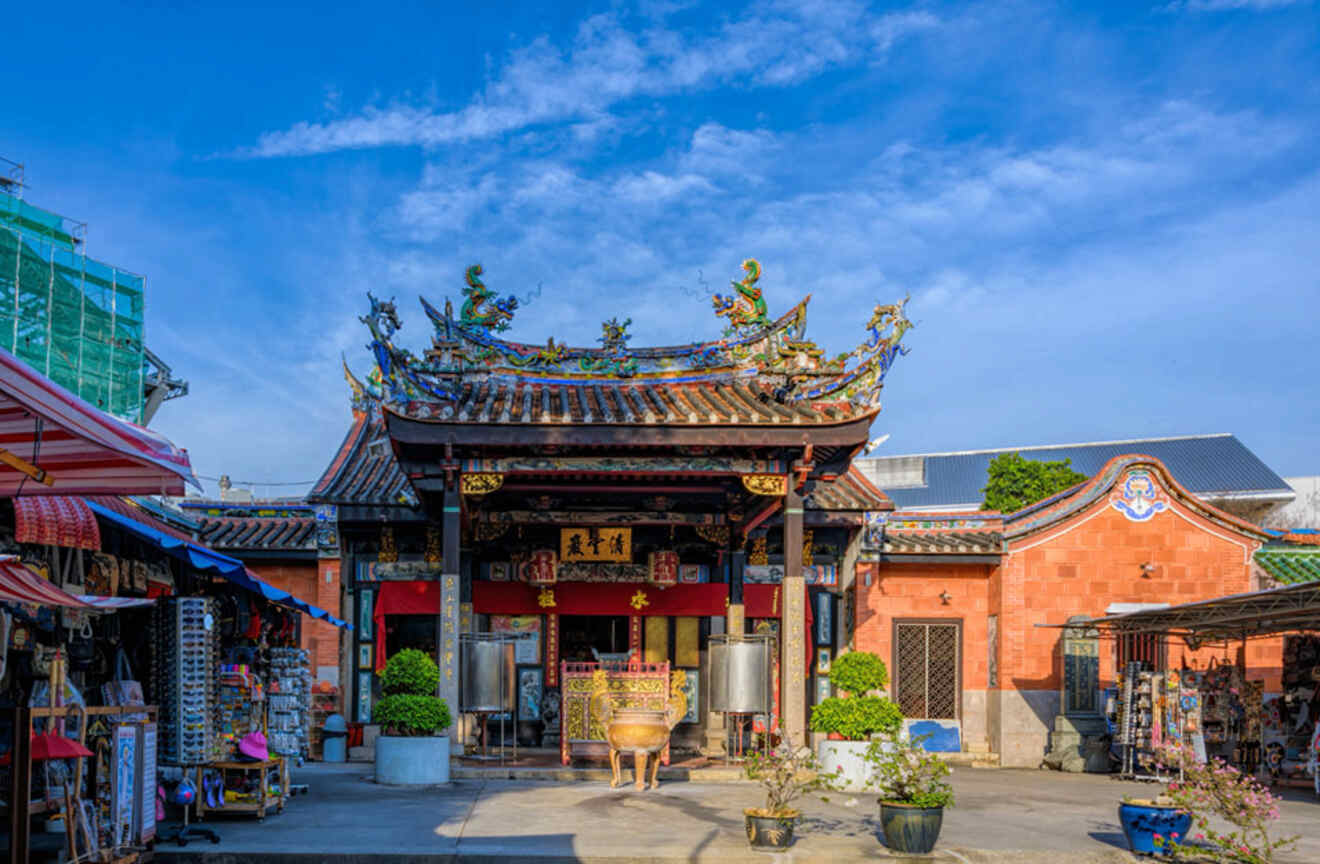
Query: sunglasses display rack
x: 186, y: 659
x: 288, y: 702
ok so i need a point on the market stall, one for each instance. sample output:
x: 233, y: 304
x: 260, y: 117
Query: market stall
x: 1214, y: 701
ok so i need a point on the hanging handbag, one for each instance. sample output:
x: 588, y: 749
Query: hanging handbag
x: 102, y: 577
x: 124, y: 690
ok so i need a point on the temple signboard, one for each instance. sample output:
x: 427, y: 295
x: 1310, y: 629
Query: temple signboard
x: 595, y: 544
x: 1081, y: 671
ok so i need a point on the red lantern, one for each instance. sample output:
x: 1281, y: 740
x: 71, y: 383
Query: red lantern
x: 663, y: 569
x: 542, y: 567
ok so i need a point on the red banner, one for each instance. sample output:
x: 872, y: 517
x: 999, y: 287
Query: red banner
x: 598, y: 598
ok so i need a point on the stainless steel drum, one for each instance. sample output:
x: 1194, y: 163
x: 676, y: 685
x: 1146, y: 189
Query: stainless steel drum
x: 486, y: 673
x: 740, y: 674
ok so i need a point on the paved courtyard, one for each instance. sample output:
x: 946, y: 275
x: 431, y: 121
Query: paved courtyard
x: 1002, y: 815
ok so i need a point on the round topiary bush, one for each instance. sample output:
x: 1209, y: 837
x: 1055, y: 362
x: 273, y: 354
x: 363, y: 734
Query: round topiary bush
x: 857, y: 673
x: 410, y: 707
x: 410, y: 671
x: 856, y: 719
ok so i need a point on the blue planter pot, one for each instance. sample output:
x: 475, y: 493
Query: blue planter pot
x: 910, y: 829
x: 1141, y: 822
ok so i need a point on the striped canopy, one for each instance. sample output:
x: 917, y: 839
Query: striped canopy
x: 18, y: 584
x: 54, y: 443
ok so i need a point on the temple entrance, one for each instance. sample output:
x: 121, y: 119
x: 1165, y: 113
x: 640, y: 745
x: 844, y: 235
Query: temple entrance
x: 580, y: 634
x: 410, y: 631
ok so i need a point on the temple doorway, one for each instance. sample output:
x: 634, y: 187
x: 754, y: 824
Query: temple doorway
x: 580, y: 634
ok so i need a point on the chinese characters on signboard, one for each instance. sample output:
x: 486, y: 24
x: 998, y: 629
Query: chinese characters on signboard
x: 595, y: 544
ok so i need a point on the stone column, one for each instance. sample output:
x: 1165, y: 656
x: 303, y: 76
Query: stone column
x: 793, y: 627
x: 447, y: 625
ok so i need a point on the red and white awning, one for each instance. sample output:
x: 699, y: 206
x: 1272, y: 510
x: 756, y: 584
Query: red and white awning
x: 56, y: 520
x: 18, y: 584
x: 54, y: 443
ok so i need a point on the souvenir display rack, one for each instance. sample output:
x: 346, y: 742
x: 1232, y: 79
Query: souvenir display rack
x: 185, y: 667
x: 1154, y: 710
x: 288, y: 702
x: 260, y: 800
x: 1290, y: 733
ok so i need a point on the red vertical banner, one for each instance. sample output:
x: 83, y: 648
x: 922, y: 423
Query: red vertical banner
x: 635, y: 638
x: 552, y: 650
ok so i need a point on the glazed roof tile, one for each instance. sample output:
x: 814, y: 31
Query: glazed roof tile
x: 1290, y: 565
x: 257, y: 532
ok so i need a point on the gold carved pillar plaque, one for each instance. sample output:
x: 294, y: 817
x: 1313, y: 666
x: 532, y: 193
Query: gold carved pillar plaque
x: 657, y: 639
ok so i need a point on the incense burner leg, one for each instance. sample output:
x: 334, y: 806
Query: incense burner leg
x: 639, y: 768
x: 616, y: 771
x: 655, y: 769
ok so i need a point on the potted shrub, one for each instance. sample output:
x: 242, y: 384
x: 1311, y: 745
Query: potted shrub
x: 410, y: 750
x: 851, y: 719
x: 786, y: 773
x: 913, y: 792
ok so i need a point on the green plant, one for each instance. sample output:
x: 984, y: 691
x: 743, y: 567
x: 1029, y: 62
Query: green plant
x: 855, y: 718
x: 857, y: 715
x: 1215, y: 793
x: 1014, y: 482
x: 411, y: 715
x: 858, y: 673
x: 905, y: 773
x: 786, y: 773
x: 410, y: 671
x: 410, y: 707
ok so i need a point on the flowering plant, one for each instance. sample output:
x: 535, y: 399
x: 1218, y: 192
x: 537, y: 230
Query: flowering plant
x: 786, y: 773
x: 1217, y: 791
x: 906, y: 773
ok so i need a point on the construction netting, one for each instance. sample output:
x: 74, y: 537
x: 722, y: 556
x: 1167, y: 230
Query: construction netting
x: 72, y: 318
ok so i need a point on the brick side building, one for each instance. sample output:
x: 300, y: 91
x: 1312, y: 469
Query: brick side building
x: 967, y: 607
x: 278, y: 542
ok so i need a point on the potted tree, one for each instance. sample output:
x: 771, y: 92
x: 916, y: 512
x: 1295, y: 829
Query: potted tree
x: 786, y: 773
x: 851, y: 719
x: 411, y: 751
x: 913, y: 792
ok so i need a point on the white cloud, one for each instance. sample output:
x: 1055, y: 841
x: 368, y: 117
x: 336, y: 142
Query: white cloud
x: 607, y: 64
x: 1228, y: 5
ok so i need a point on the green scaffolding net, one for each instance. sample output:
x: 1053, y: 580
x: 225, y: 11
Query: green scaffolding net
x: 72, y: 318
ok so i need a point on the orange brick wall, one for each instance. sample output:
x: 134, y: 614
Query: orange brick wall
x: 1095, y: 559
x: 913, y: 591
x: 306, y: 581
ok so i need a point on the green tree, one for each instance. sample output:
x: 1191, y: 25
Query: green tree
x: 1015, y: 482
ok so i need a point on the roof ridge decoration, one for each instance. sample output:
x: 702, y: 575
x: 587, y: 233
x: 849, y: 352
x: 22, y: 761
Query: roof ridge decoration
x: 1137, y: 501
x: 745, y: 309
x: 773, y: 357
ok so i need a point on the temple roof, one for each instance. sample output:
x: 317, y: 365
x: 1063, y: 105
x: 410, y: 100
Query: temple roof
x: 762, y: 372
x: 363, y: 470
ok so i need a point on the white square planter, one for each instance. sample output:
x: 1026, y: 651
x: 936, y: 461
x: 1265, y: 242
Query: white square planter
x: 412, y: 761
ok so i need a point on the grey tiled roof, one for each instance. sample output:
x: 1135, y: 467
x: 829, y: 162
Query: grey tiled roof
x: 1210, y: 466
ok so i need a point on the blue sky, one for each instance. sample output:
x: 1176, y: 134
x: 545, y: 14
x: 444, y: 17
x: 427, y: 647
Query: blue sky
x: 1107, y: 216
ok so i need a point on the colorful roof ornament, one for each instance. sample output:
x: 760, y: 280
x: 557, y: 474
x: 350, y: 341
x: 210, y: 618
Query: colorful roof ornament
x: 763, y: 370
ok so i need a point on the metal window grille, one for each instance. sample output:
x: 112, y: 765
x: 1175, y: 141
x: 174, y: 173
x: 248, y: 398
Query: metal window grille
x: 927, y: 667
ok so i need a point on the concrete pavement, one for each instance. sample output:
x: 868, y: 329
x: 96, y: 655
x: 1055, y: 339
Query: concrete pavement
x: 1002, y: 815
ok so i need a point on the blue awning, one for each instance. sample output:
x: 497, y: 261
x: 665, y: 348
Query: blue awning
x: 200, y: 558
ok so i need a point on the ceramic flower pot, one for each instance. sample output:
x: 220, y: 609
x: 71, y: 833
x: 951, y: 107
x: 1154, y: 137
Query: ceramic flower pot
x: 910, y: 829
x: 1142, y: 820
x: 770, y: 831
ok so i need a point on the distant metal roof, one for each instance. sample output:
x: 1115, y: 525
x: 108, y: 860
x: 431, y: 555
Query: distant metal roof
x: 1209, y: 466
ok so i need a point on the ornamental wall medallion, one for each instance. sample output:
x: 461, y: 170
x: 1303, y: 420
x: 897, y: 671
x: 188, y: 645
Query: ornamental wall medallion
x: 1138, y: 497
x: 480, y: 484
x: 766, y: 484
